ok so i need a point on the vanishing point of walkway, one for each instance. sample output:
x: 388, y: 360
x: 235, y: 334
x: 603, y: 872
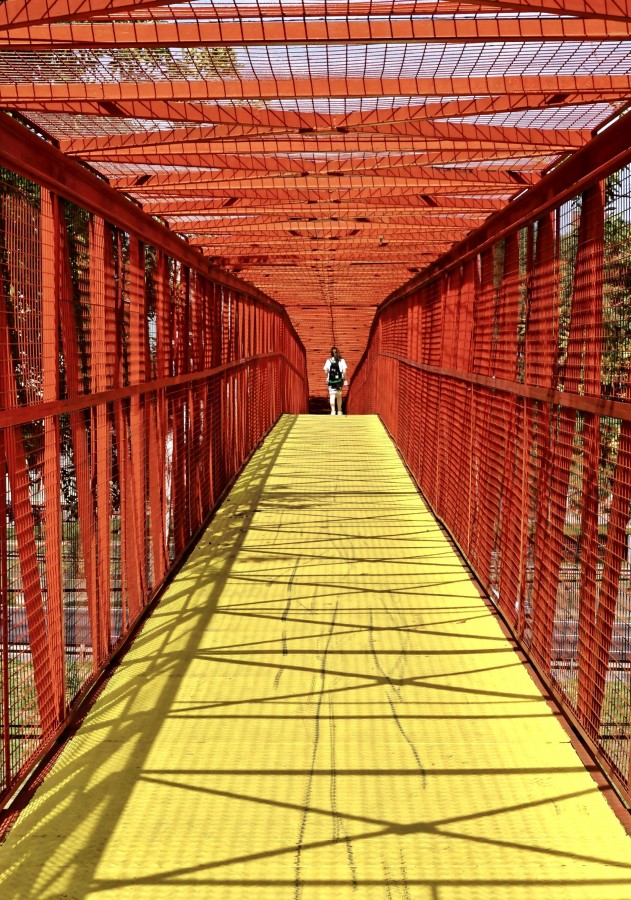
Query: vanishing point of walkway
x: 321, y: 706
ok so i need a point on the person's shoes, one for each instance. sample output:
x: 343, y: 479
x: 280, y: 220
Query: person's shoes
x: 332, y: 413
x: 340, y: 414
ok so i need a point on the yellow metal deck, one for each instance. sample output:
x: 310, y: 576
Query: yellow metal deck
x: 320, y: 707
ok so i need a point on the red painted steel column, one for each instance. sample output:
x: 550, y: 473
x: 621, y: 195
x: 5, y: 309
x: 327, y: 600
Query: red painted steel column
x: 17, y: 472
x: 513, y: 518
x: 483, y: 455
x: 101, y: 626
x: 158, y: 428
x: 135, y: 487
x: 541, y: 369
x: 179, y: 486
x: 71, y: 322
x: 589, y: 282
x: 49, y: 218
x: 465, y: 363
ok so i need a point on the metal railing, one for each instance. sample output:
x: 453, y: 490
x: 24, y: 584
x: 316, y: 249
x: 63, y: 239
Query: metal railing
x: 135, y: 380
x: 503, y: 374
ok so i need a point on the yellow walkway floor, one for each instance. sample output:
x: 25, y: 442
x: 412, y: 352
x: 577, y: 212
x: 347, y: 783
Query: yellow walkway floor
x: 321, y: 707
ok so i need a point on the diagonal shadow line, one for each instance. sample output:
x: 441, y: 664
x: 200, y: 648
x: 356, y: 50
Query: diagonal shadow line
x: 302, y: 695
x: 418, y: 590
x: 245, y: 654
x: 269, y: 561
x: 354, y: 628
x: 389, y: 828
x: 467, y: 608
x: 265, y: 801
x: 376, y: 681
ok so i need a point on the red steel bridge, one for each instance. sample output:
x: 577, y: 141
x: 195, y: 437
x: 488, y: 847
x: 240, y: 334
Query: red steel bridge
x: 197, y: 199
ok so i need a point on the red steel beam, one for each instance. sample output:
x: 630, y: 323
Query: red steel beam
x: 49, y: 219
x: 101, y: 454
x: 235, y: 151
x: 334, y: 87
x: 382, y: 209
x: 600, y: 9
x: 209, y: 112
x: 19, y: 12
x: 198, y: 180
x: 324, y: 187
x: 219, y: 139
x: 507, y: 101
x: 377, y: 209
x: 85, y: 145
x: 408, y: 228
x: 363, y: 30
x: 31, y: 12
x: 428, y: 153
x: 540, y: 368
x: 72, y: 329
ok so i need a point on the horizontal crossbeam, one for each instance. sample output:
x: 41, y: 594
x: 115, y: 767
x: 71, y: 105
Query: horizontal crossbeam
x: 15, y: 13
x: 381, y: 119
x: 308, y: 88
x: 211, y: 140
x: 362, y: 30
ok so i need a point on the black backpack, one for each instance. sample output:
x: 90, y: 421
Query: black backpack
x: 335, y: 378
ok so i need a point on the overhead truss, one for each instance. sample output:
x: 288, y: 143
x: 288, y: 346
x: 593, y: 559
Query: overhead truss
x: 322, y: 150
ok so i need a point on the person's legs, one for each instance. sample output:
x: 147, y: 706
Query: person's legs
x: 338, y: 401
x: 332, y: 401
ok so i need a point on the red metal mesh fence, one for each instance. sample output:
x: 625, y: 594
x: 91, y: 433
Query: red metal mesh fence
x: 132, y: 389
x: 504, y: 379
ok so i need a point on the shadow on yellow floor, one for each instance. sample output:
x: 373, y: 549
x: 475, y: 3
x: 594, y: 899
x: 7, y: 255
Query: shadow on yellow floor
x: 320, y: 707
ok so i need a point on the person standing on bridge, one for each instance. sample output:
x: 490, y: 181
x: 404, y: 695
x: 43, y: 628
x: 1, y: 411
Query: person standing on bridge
x: 335, y: 368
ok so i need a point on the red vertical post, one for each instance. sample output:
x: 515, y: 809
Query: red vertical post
x: 465, y: 364
x: 17, y: 475
x: 541, y: 358
x: 49, y: 219
x: 70, y: 324
x: 135, y: 489
x: 589, y: 283
x: 157, y: 425
x: 484, y: 455
x: 513, y: 518
x: 101, y: 452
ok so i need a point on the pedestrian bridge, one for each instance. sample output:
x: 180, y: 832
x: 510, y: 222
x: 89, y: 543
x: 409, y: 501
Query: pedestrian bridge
x: 247, y: 651
x: 322, y: 704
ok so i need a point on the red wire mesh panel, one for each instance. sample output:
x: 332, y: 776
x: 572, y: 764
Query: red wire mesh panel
x: 133, y: 387
x: 504, y: 378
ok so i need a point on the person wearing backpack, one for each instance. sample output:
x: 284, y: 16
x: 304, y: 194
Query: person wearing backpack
x: 335, y: 368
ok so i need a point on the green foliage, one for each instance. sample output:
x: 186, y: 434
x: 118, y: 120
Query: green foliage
x: 617, y: 284
x: 179, y: 63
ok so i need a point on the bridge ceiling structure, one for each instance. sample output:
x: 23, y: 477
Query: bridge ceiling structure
x: 325, y: 152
